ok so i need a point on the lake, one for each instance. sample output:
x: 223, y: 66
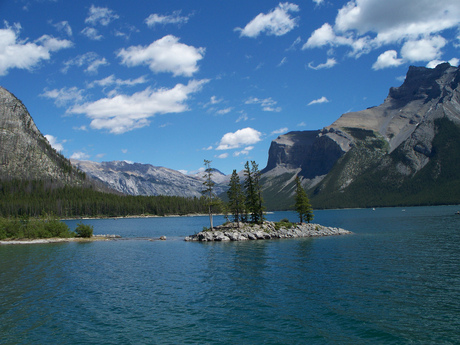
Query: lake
x: 396, y: 280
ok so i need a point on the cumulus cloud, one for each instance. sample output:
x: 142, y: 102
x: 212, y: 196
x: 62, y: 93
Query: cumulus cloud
x: 174, y: 18
x: 55, y: 143
x: 16, y: 53
x: 415, y: 25
x: 267, y: 104
x: 164, y: 55
x: 222, y: 156
x: 328, y: 64
x: 100, y: 15
x: 387, y: 59
x: 64, y: 96
x: 319, y: 101
x: 242, y: 137
x: 122, y: 113
x: 424, y: 49
x: 277, y: 22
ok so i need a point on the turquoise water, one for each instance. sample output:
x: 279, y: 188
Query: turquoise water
x: 395, y: 281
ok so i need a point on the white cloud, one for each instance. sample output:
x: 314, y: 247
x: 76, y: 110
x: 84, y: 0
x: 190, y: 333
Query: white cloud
x: 79, y: 155
x: 331, y: 62
x: 224, y: 111
x: 242, y: 117
x: 267, y: 104
x: 280, y: 131
x: 15, y: 53
x: 92, y: 60
x: 92, y: 34
x: 64, y: 96
x: 54, y: 143
x: 393, y: 20
x: 283, y: 61
x: 174, y: 18
x: 164, y: 55
x: 245, y: 136
x: 366, y: 25
x: 302, y: 124
x: 222, y: 156
x: 453, y: 62
x: 111, y: 80
x: 387, y: 59
x: 318, y: 2
x: 64, y: 26
x: 277, y: 22
x: 100, y: 15
x: 425, y: 49
x: 245, y: 151
x: 319, y: 101
x: 122, y: 113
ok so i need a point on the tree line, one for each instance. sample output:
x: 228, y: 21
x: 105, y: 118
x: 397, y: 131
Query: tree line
x: 34, y: 198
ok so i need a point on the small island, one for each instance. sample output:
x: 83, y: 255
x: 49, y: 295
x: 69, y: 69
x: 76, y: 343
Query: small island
x: 265, y: 231
x: 245, y: 205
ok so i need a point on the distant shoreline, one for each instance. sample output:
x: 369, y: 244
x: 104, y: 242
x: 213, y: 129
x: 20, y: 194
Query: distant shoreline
x: 60, y: 240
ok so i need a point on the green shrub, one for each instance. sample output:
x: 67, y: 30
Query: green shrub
x: 84, y: 230
x: 283, y: 223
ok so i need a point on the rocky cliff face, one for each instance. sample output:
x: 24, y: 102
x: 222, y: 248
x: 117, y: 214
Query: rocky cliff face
x: 24, y: 151
x: 396, y: 137
x: 146, y: 179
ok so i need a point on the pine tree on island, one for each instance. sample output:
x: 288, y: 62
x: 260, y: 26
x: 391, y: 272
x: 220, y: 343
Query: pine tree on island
x: 208, y: 192
x: 236, y: 198
x: 253, y: 192
x: 302, y: 204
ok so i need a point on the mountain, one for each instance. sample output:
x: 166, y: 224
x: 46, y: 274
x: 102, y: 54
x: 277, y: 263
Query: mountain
x: 25, y: 153
x: 403, y: 152
x: 146, y: 179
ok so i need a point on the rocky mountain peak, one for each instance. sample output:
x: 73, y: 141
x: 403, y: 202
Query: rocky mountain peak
x: 24, y: 151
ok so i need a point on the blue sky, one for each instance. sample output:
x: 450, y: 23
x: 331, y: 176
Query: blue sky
x: 171, y: 83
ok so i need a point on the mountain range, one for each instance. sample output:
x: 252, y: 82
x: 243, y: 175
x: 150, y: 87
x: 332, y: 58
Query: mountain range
x: 405, y: 151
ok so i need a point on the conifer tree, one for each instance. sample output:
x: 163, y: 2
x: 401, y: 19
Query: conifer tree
x: 302, y: 204
x: 208, y: 192
x: 235, y: 197
x: 253, y: 192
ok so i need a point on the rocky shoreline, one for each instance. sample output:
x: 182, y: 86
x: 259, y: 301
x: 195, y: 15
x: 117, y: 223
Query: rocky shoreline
x: 265, y: 231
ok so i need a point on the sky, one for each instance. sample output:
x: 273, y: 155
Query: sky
x: 172, y: 83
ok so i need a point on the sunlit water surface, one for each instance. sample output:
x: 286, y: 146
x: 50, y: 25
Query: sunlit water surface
x: 396, y: 280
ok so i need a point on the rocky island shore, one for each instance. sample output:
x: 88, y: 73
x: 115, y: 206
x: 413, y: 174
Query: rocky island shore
x: 265, y: 231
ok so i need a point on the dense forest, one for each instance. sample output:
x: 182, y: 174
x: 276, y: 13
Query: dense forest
x: 35, y: 198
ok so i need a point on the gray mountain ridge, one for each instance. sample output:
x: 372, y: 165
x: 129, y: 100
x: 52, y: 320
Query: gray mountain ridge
x: 146, y: 179
x: 395, y: 137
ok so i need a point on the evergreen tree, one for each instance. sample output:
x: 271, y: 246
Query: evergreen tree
x: 235, y: 198
x: 253, y: 192
x: 302, y: 204
x: 208, y: 192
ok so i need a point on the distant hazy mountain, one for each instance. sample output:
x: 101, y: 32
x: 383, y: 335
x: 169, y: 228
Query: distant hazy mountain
x: 146, y: 179
x: 404, y: 151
